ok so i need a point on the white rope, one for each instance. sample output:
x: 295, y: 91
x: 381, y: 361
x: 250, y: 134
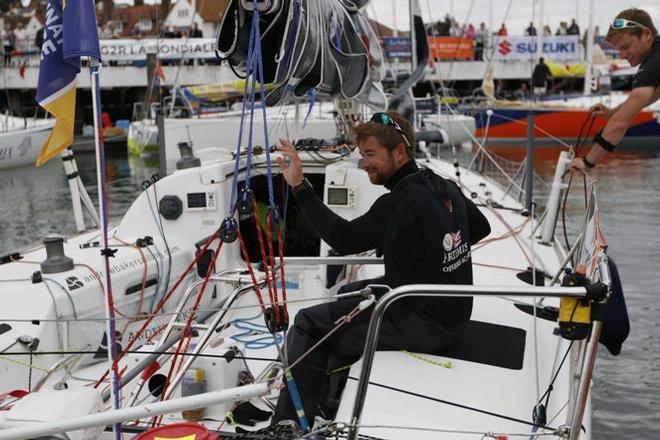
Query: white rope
x: 534, y: 316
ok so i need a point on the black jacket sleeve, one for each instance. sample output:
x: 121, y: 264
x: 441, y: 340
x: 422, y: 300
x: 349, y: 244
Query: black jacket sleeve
x: 478, y: 224
x: 347, y: 237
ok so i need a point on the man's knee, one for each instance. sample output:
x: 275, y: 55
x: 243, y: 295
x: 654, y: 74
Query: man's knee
x: 303, y: 320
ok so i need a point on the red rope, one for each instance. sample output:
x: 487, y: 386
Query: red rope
x: 159, y: 306
x: 262, y: 249
x: 280, y: 244
x: 246, y: 257
x: 273, y: 272
x: 191, y: 316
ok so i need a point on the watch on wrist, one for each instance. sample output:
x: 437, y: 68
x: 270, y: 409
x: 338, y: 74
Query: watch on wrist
x: 587, y: 163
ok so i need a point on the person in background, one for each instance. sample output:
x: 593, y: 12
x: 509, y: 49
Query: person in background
x: 164, y: 31
x: 7, y: 43
x: 540, y: 76
x: 502, y: 32
x: 39, y: 38
x: 108, y: 31
x: 531, y: 30
x: 135, y: 31
x: 522, y: 93
x: 499, y: 89
x: 195, y: 31
x: 633, y: 34
x: 20, y: 38
x: 454, y: 28
x: 573, y: 29
x: 470, y: 32
x: 562, y: 30
x: 547, y: 32
x: 480, y: 37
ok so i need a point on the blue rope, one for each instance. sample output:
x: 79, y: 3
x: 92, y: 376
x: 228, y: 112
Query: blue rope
x: 234, y: 184
x: 297, y: 402
x: 260, y: 71
x: 311, y: 93
x: 250, y: 329
x: 253, y: 59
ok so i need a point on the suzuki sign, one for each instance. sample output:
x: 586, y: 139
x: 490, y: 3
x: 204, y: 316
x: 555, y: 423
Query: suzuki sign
x: 555, y: 48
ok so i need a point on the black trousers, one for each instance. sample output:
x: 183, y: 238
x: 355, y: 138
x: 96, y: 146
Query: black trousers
x: 404, y: 327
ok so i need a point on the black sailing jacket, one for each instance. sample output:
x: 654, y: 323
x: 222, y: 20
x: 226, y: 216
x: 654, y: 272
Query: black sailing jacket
x: 424, y: 227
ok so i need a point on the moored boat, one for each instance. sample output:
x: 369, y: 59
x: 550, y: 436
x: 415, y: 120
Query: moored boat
x: 21, y: 140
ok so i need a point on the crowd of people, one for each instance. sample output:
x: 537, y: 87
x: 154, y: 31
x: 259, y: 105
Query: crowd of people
x: 18, y: 44
x: 16, y: 41
x: 112, y: 30
x: 482, y: 36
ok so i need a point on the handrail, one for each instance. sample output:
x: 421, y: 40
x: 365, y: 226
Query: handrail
x: 591, y: 349
x: 23, y: 430
x: 434, y: 290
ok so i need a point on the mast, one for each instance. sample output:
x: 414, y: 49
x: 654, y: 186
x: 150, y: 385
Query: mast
x: 413, y: 44
x: 589, y: 47
x: 539, y: 31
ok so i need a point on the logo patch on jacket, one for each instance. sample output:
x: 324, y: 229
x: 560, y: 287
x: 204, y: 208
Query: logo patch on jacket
x: 456, y: 252
x: 447, y: 242
x: 451, y: 240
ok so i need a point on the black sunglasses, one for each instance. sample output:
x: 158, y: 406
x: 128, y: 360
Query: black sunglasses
x: 384, y: 119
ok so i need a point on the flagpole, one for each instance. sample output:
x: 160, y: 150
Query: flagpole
x: 95, y: 66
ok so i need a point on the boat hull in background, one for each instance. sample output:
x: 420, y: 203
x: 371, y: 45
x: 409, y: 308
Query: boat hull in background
x: 567, y: 124
x: 21, y: 147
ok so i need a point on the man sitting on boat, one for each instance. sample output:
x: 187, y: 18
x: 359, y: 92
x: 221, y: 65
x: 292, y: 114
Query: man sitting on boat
x: 424, y: 228
x: 632, y: 33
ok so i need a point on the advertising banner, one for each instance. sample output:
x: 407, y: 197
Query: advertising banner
x: 397, y: 47
x: 555, y: 48
x: 168, y: 48
x: 449, y: 48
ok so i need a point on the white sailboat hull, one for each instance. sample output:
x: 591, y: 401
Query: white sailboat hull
x: 19, y: 147
x: 501, y: 390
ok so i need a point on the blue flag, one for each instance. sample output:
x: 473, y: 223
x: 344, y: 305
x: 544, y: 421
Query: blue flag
x: 70, y: 32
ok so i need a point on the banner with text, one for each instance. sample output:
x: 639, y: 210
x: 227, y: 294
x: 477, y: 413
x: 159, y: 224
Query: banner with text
x: 168, y: 48
x: 449, y: 48
x: 397, y: 47
x: 555, y: 48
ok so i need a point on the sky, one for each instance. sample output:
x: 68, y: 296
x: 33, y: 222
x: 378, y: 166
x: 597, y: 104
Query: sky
x: 521, y: 12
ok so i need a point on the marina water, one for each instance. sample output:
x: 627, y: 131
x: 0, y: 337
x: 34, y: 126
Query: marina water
x: 36, y: 202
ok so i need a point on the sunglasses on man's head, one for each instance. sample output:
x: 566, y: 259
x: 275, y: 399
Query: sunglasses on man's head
x: 622, y: 23
x: 384, y: 119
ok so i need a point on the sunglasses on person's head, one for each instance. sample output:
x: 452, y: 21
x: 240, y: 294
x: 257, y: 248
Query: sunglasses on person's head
x: 384, y: 119
x: 622, y: 23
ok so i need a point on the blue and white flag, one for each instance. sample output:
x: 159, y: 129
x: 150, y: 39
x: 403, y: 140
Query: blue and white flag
x: 70, y: 32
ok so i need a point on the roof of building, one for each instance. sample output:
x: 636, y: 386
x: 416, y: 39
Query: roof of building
x: 211, y: 10
x: 130, y: 16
